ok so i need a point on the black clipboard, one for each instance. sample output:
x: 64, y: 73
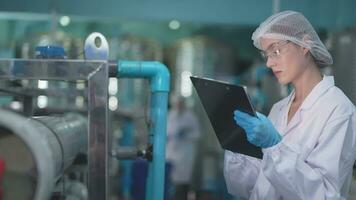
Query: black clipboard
x: 220, y: 100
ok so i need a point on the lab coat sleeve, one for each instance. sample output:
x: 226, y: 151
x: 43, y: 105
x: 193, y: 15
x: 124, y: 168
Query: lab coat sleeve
x: 240, y: 173
x: 322, y: 174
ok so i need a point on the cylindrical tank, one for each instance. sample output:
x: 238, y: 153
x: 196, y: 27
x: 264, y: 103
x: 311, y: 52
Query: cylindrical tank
x: 36, y: 151
x: 199, y: 56
x: 343, y: 49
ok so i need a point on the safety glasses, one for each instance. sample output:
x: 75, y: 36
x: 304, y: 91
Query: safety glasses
x: 274, y: 50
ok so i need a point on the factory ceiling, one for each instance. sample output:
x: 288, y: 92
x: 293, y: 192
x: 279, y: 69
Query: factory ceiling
x: 322, y: 13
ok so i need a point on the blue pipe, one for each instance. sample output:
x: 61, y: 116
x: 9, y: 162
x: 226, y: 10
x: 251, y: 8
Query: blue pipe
x: 157, y: 168
x: 155, y: 71
x: 159, y: 77
x: 127, y: 140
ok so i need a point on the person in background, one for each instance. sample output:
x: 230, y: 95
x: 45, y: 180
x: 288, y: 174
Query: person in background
x: 309, y: 137
x: 183, y: 132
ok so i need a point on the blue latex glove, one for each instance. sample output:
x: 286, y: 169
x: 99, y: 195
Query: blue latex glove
x: 259, y: 130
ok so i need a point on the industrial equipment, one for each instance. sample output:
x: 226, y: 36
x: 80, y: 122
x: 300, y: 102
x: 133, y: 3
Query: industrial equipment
x: 95, y: 74
x: 36, y: 151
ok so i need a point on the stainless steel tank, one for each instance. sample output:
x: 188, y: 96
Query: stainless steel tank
x: 36, y: 151
x: 200, y: 56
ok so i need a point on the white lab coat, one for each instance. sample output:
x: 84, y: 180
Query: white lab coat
x: 314, y: 160
x: 180, y: 152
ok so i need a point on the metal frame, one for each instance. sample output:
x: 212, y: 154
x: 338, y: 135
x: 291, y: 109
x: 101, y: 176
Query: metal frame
x: 96, y: 74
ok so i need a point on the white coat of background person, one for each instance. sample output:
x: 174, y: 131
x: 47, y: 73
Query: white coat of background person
x: 183, y: 132
x: 309, y: 137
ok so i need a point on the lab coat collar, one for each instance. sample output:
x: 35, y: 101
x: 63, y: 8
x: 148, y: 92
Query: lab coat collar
x: 285, y: 102
x: 318, y: 90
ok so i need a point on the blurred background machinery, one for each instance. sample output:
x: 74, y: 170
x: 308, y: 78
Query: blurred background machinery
x: 343, y: 46
x: 52, y: 154
x: 60, y: 140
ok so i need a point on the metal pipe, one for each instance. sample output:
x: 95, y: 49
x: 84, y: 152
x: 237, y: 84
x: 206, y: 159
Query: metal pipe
x: 124, y: 153
x: 131, y: 153
x: 71, y: 132
x: 112, y: 68
x: 159, y: 77
x: 52, y: 143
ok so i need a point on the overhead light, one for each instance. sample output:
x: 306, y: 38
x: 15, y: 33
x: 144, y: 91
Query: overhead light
x: 79, y: 101
x: 16, y: 105
x: 42, y: 101
x: 186, y: 86
x: 113, y: 103
x: 174, y: 25
x: 42, y: 84
x: 112, y: 86
x: 80, y: 85
x: 64, y: 20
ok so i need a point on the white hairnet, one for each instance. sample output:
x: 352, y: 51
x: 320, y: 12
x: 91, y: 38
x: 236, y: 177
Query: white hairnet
x: 294, y: 27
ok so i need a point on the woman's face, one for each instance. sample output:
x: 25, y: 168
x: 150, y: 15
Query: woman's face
x: 286, y: 59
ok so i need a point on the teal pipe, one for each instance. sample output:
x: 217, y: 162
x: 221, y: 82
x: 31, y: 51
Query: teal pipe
x: 159, y: 77
x: 127, y: 140
x: 155, y: 71
x: 150, y: 177
x: 157, y: 167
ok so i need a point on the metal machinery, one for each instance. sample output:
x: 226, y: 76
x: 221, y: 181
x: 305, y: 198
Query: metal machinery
x: 201, y: 56
x: 37, y: 151
x: 51, y: 143
x: 26, y: 49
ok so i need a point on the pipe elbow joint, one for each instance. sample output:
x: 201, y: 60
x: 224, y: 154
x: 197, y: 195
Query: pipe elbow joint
x: 160, y: 82
x: 156, y: 72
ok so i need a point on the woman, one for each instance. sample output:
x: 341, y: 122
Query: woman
x: 309, y: 137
